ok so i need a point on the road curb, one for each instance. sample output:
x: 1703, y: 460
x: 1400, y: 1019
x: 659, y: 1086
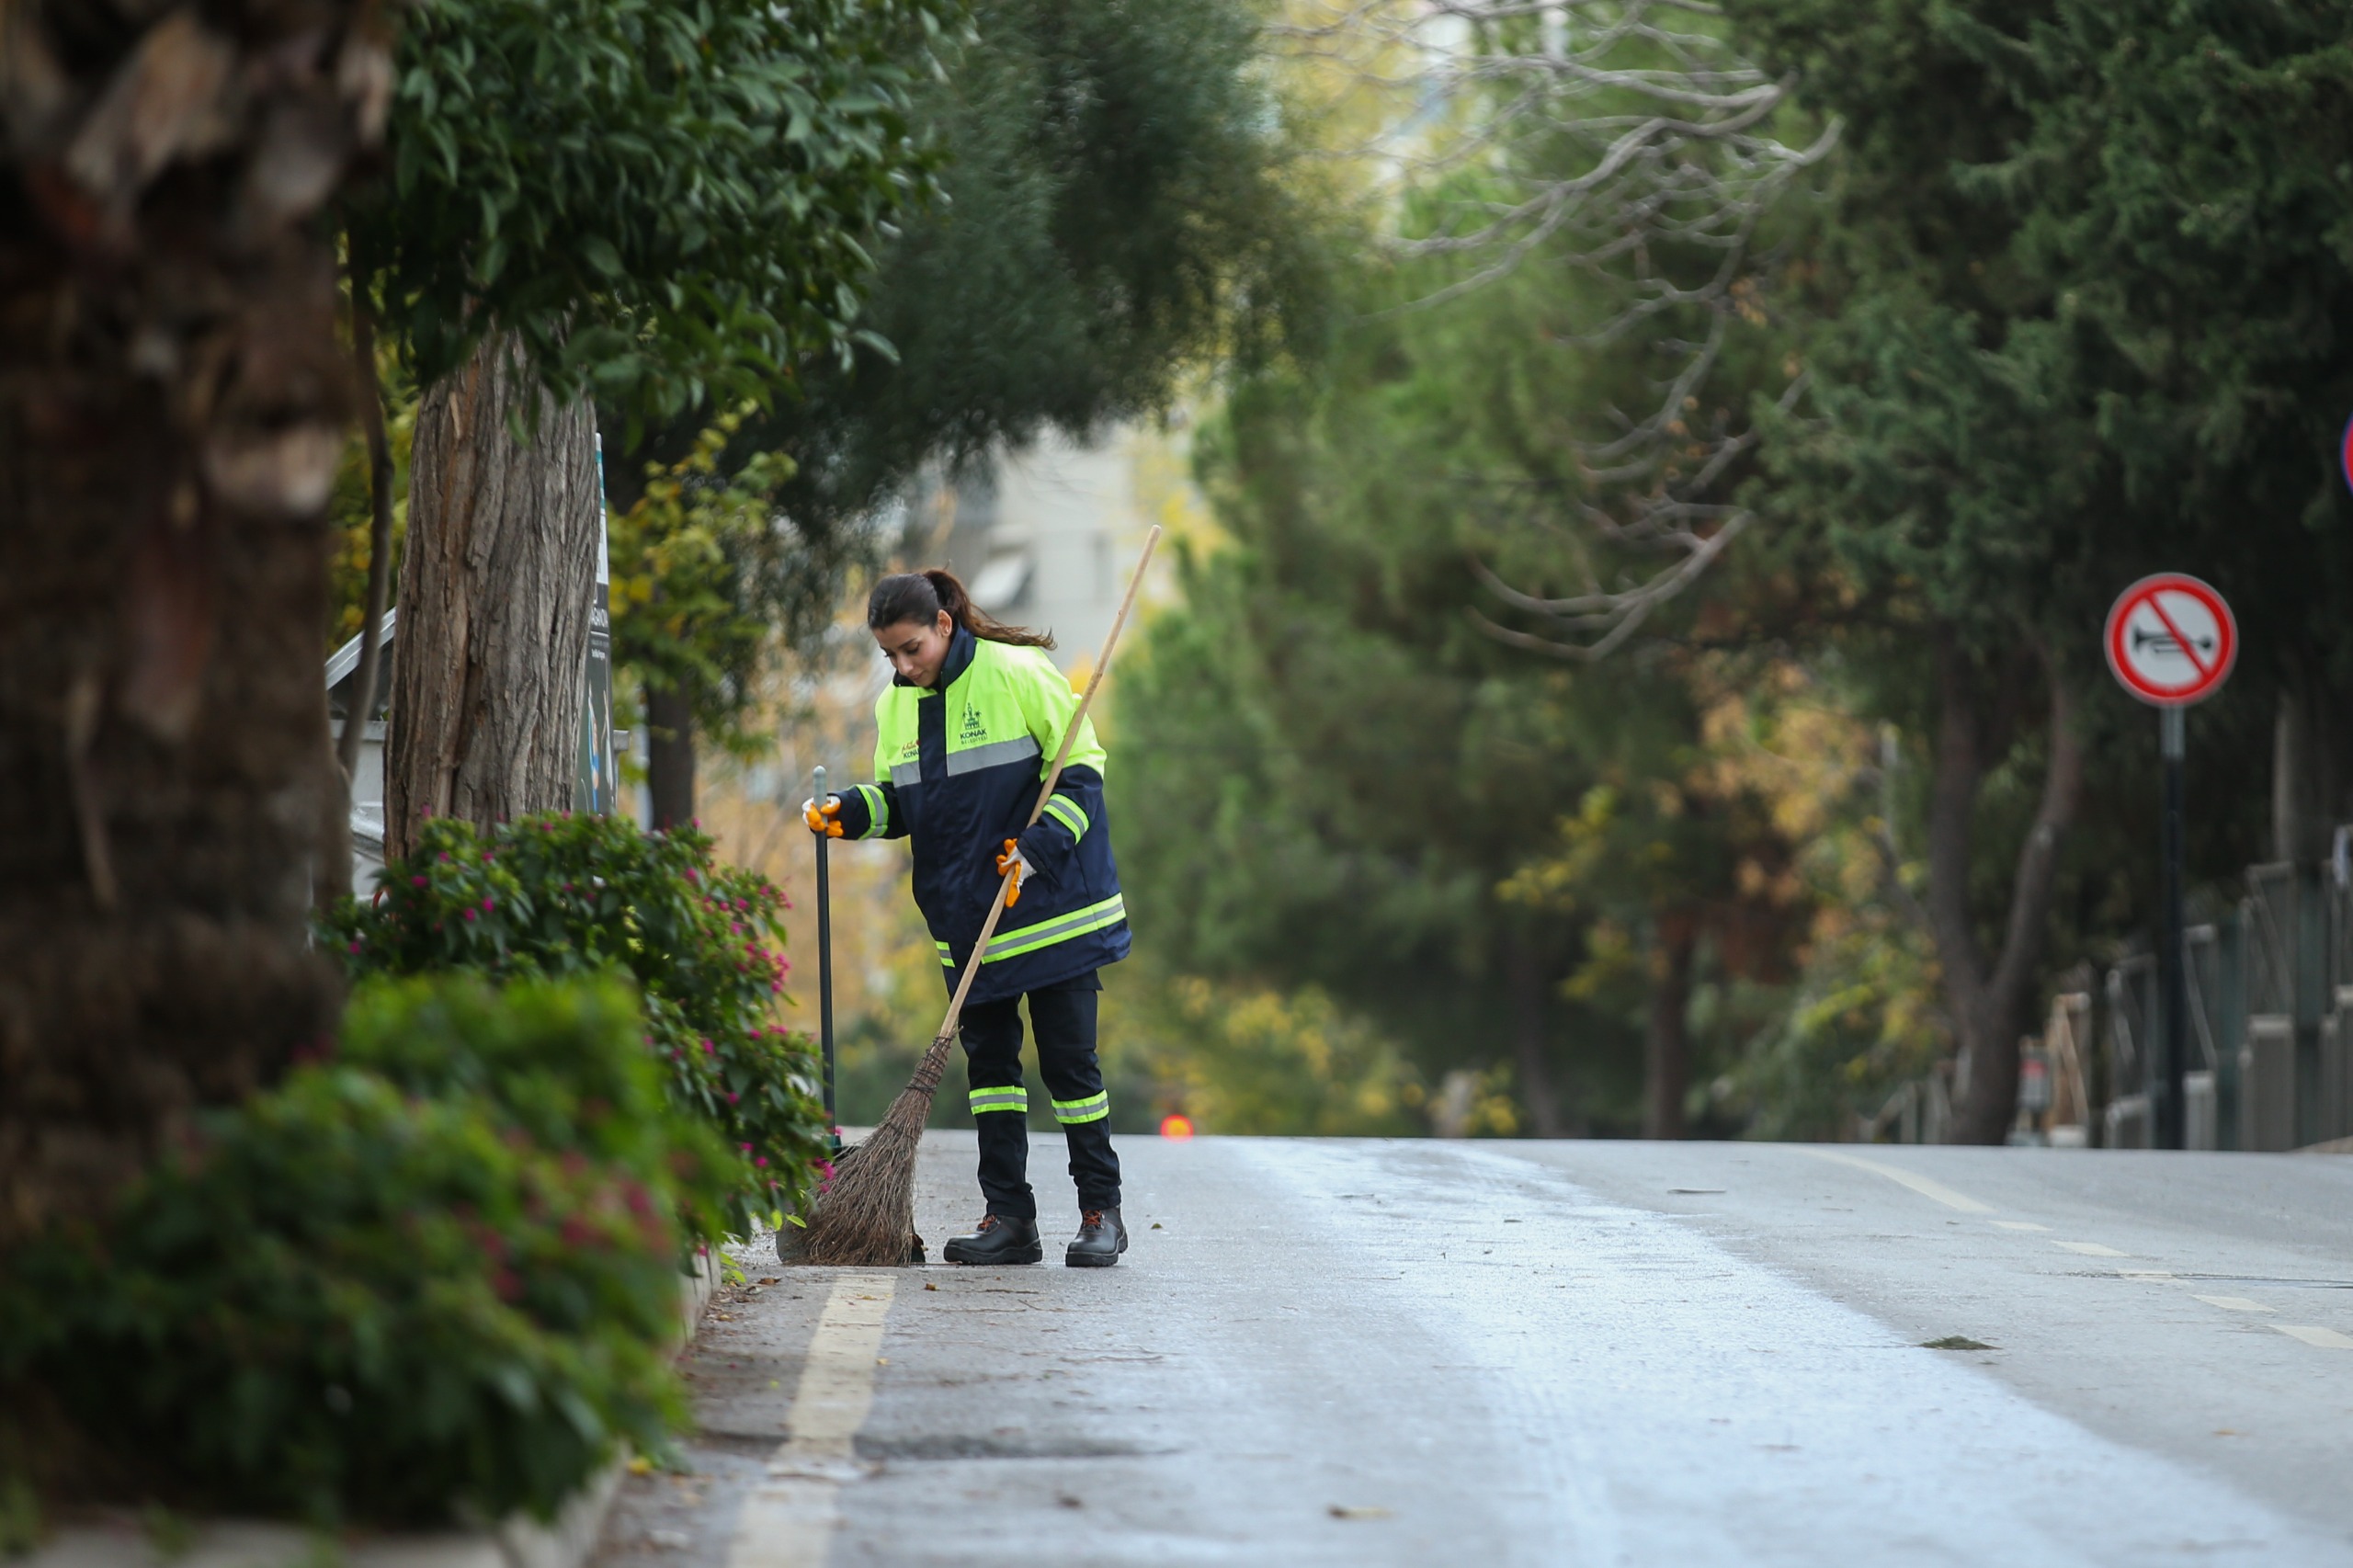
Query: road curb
x: 521, y: 1542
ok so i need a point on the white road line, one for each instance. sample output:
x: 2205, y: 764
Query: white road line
x: 2017, y: 1225
x: 1919, y: 1184
x: 789, y: 1520
x: 2091, y: 1249
x: 2326, y: 1338
x: 2234, y: 1303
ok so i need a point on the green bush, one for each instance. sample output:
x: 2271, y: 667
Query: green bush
x: 353, y: 1299
x: 581, y: 894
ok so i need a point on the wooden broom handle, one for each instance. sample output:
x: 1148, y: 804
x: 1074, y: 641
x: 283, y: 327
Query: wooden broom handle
x: 1053, y: 777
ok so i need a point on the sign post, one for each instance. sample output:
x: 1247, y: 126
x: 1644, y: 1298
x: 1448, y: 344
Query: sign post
x: 2170, y: 642
x: 596, y: 785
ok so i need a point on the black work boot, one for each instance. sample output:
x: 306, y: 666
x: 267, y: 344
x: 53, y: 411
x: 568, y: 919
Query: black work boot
x: 1101, y: 1239
x: 999, y: 1238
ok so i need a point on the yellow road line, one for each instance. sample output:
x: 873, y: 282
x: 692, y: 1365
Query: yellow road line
x: 789, y: 1520
x: 1936, y: 1190
x: 2234, y: 1303
x: 2326, y: 1338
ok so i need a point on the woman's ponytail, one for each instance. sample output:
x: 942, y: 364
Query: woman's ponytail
x: 917, y: 597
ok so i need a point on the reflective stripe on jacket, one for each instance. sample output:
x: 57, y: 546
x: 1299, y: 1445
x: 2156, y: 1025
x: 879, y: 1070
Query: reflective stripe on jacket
x: 956, y: 771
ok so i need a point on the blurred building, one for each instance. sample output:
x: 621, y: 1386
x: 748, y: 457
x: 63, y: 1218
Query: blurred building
x: 1046, y: 537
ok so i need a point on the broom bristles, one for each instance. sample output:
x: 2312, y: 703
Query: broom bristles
x: 866, y: 1216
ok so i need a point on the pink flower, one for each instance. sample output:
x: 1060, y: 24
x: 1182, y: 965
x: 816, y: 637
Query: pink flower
x: 762, y: 1162
x: 444, y: 855
x: 416, y: 881
x: 488, y: 905
x: 709, y: 1049
x: 469, y: 914
x: 745, y: 1147
x: 732, y: 1096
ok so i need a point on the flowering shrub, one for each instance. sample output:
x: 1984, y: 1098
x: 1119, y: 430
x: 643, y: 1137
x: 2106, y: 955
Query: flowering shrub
x: 581, y: 894
x: 438, y: 1270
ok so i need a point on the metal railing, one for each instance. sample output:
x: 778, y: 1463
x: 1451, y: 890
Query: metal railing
x: 2270, y: 1047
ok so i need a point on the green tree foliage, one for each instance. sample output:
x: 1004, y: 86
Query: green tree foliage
x: 686, y: 608
x: 1325, y: 768
x: 1112, y: 219
x: 2074, y: 301
x: 659, y: 199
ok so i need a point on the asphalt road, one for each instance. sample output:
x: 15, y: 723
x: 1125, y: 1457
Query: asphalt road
x: 1427, y: 1353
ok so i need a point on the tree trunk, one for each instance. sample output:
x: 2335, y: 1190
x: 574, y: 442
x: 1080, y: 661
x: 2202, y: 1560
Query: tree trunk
x: 670, y: 754
x: 1992, y: 1006
x: 171, y: 409
x: 1666, y: 1048
x: 494, y: 589
x: 1530, y: 1040
x: 2303, y: 777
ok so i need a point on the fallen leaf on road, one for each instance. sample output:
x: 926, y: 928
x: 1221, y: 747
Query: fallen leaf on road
x: 1341, y: 1511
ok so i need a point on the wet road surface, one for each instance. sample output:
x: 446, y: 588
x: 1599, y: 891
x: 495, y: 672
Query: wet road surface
x: 1435, y: 1353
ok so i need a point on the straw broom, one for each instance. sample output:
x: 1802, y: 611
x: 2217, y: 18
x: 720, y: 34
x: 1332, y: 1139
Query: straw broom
x: 866, y: 1216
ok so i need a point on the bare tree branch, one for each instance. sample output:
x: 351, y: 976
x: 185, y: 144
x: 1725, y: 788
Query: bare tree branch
x: 1625, y: 142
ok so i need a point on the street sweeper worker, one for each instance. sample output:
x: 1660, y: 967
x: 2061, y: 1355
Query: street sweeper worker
x: 966, y: 732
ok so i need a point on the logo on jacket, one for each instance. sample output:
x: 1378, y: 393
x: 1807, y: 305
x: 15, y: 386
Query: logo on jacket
x: 971, y: 729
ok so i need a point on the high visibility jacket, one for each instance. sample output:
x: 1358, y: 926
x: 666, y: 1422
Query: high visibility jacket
x: 956, y: 770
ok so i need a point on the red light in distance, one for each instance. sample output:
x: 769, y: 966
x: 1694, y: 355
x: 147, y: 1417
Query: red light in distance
x: 1177, y: 1125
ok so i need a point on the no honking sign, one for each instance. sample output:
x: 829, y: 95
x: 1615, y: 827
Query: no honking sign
x: 2171, y: 640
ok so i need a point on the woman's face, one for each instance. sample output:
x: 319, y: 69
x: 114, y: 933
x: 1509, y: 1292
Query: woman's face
x: 917, y: 651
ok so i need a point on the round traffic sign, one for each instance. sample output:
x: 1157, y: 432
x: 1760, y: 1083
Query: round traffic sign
x: 2171, y: 640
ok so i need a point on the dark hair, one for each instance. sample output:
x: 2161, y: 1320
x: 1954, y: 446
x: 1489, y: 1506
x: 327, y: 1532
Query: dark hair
x: 919, y: 596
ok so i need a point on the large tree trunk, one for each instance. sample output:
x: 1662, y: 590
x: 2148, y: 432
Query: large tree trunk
x: 171, y: 404
x: 1666, y: 1046
x: 1992, y: 1004
x: 670, y: 754
x: 494, y: 591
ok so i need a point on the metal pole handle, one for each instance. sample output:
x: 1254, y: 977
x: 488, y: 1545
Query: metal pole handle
x: 825, y: 971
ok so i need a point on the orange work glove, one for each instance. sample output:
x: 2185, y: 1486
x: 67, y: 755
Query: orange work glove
x: 825, y: 819
x: 1011, y: 864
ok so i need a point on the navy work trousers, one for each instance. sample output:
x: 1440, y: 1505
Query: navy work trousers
x: 1063, y: 1018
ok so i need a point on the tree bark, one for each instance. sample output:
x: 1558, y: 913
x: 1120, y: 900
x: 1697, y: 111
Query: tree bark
x: 2303, y: 777
x: 1667, y: 1047
x: 1992, y: 1005
x: 1530, y: 1040
x: 495, y: 588
x: 670, y: 754
x: 171, y: 410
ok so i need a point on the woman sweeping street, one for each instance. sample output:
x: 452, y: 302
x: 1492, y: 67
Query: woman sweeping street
x: 964, y: 735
